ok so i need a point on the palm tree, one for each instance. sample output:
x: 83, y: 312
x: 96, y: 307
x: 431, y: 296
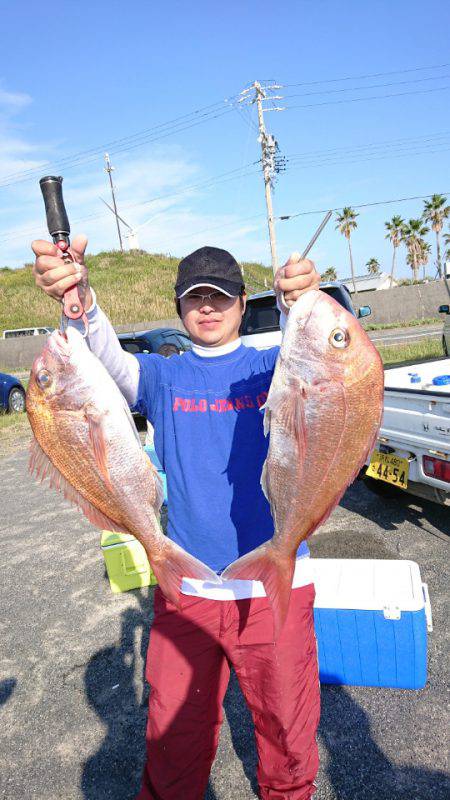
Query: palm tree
x: 330, y: 274
x: 447, y: 245
x: 413, y: 232
x: 346, y: 222
x: 435, y: 212
x: 373, y: 266
x: 424, y: 252
x: 395, y: 234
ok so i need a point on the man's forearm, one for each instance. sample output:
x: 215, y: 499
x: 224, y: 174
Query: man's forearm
x: 102, y: 340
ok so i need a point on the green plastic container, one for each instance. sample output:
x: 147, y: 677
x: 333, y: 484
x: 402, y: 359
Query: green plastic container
x: 126, y: 562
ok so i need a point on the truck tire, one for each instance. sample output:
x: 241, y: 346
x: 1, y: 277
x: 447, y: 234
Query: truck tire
x: 16, y: 400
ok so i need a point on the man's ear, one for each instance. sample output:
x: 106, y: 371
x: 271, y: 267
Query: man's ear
x: 243, y: 297
x: 177, y: 306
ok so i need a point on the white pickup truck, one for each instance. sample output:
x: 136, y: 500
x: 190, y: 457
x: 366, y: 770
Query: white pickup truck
x: 413, y: 448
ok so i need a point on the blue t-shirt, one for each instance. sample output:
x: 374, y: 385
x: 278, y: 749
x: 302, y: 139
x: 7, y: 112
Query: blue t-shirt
x: 209, y: 438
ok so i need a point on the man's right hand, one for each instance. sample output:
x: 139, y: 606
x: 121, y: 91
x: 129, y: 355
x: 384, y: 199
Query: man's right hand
x: 55, y: 276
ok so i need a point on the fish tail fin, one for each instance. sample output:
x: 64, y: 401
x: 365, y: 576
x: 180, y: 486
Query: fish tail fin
x: 275, y: 571
x: 176, y: 564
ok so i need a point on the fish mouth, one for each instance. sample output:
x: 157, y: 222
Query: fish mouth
x: 304, y: 307
x: 59, y: 346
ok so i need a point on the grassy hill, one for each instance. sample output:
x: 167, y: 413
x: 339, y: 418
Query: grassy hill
x: 131, y: 287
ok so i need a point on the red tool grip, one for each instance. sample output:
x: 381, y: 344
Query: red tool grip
x: 72, y: 305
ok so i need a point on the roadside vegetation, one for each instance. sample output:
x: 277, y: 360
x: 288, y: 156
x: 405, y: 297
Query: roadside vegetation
x: 131, y: 287
x: 411, y: 353
x: 383, y: 326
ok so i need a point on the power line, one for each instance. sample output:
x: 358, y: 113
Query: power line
x: 372, y: 97
x: 361, y: 205
x: 371, y: 86
x: 363, y: 77
x: 213, y: 181
x: 177, y: 125
x: 365, y: 157
x: 112, y: 143
x: 330, y: 158
x: 128, y: 144
x: 285, y: 217
x: 239, y: 172
x: 427, y: 137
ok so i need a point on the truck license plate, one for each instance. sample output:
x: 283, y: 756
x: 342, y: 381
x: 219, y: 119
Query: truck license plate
x: 389, y: 467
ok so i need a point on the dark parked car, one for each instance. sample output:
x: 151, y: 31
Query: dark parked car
x: 446, y: 332
x: 12, y: 393
x: 165, y: 341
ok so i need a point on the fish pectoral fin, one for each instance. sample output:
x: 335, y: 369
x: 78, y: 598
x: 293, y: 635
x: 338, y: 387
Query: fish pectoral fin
x: 173, y: 565
x: 287, y: 405
x: 274, y: 571
x: 264, y: 480
x: 41, y: 467
x: 95, y: 420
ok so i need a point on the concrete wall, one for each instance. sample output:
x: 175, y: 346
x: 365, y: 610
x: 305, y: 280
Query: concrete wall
x: 400, y: 304
x: 19, y: 353
x: 404, y: 303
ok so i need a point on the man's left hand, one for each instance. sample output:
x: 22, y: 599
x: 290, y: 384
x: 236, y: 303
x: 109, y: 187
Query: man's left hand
x: 295, y: 277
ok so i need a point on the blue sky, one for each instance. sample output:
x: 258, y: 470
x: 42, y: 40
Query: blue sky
x: 82, y: 75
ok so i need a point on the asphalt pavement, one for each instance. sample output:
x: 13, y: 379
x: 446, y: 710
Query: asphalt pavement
x: 72, y: 694
x: 412, y: 335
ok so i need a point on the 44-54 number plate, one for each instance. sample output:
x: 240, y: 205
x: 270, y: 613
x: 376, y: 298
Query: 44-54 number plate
x: 390, y: 468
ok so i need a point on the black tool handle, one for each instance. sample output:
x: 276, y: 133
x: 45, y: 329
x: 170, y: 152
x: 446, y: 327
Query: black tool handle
x: 57, y: 220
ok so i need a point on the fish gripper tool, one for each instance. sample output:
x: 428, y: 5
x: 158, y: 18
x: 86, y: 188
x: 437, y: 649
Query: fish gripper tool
x: 59, y: 229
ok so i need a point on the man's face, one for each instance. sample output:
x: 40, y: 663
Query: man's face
x: 211, y: 321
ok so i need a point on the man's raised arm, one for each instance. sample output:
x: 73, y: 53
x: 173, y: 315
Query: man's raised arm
x: 54, y: 276
x: 291, y: 281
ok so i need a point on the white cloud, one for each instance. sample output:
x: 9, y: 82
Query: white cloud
x: 177, y: 223
x: 13, y: 101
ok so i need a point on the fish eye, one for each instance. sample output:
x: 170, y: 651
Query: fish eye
x: 43, y: 379
x: 339, y: 338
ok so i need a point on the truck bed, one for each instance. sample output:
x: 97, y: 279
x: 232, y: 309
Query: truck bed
x: 401, y: 377
x: 416, y: 420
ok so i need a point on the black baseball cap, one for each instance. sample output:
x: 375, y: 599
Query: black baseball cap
x: 209, y: 266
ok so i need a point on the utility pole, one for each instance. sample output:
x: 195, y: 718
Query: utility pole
x: 109, y: 168
x: 271, y: 163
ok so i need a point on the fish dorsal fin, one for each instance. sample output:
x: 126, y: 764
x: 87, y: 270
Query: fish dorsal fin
x: 41, y: 467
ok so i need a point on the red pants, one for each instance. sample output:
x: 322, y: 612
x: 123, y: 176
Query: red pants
x: 188, y: 667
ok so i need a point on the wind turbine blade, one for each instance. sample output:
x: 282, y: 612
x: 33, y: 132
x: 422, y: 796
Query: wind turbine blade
x: 116, y: 215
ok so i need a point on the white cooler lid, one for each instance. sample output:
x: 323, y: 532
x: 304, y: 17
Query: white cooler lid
x: 370, y: 584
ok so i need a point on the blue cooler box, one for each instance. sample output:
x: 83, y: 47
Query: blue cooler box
x: 151, y: 452
x: 371, y: 619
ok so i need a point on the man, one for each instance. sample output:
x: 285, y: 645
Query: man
x: 204, y: 406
